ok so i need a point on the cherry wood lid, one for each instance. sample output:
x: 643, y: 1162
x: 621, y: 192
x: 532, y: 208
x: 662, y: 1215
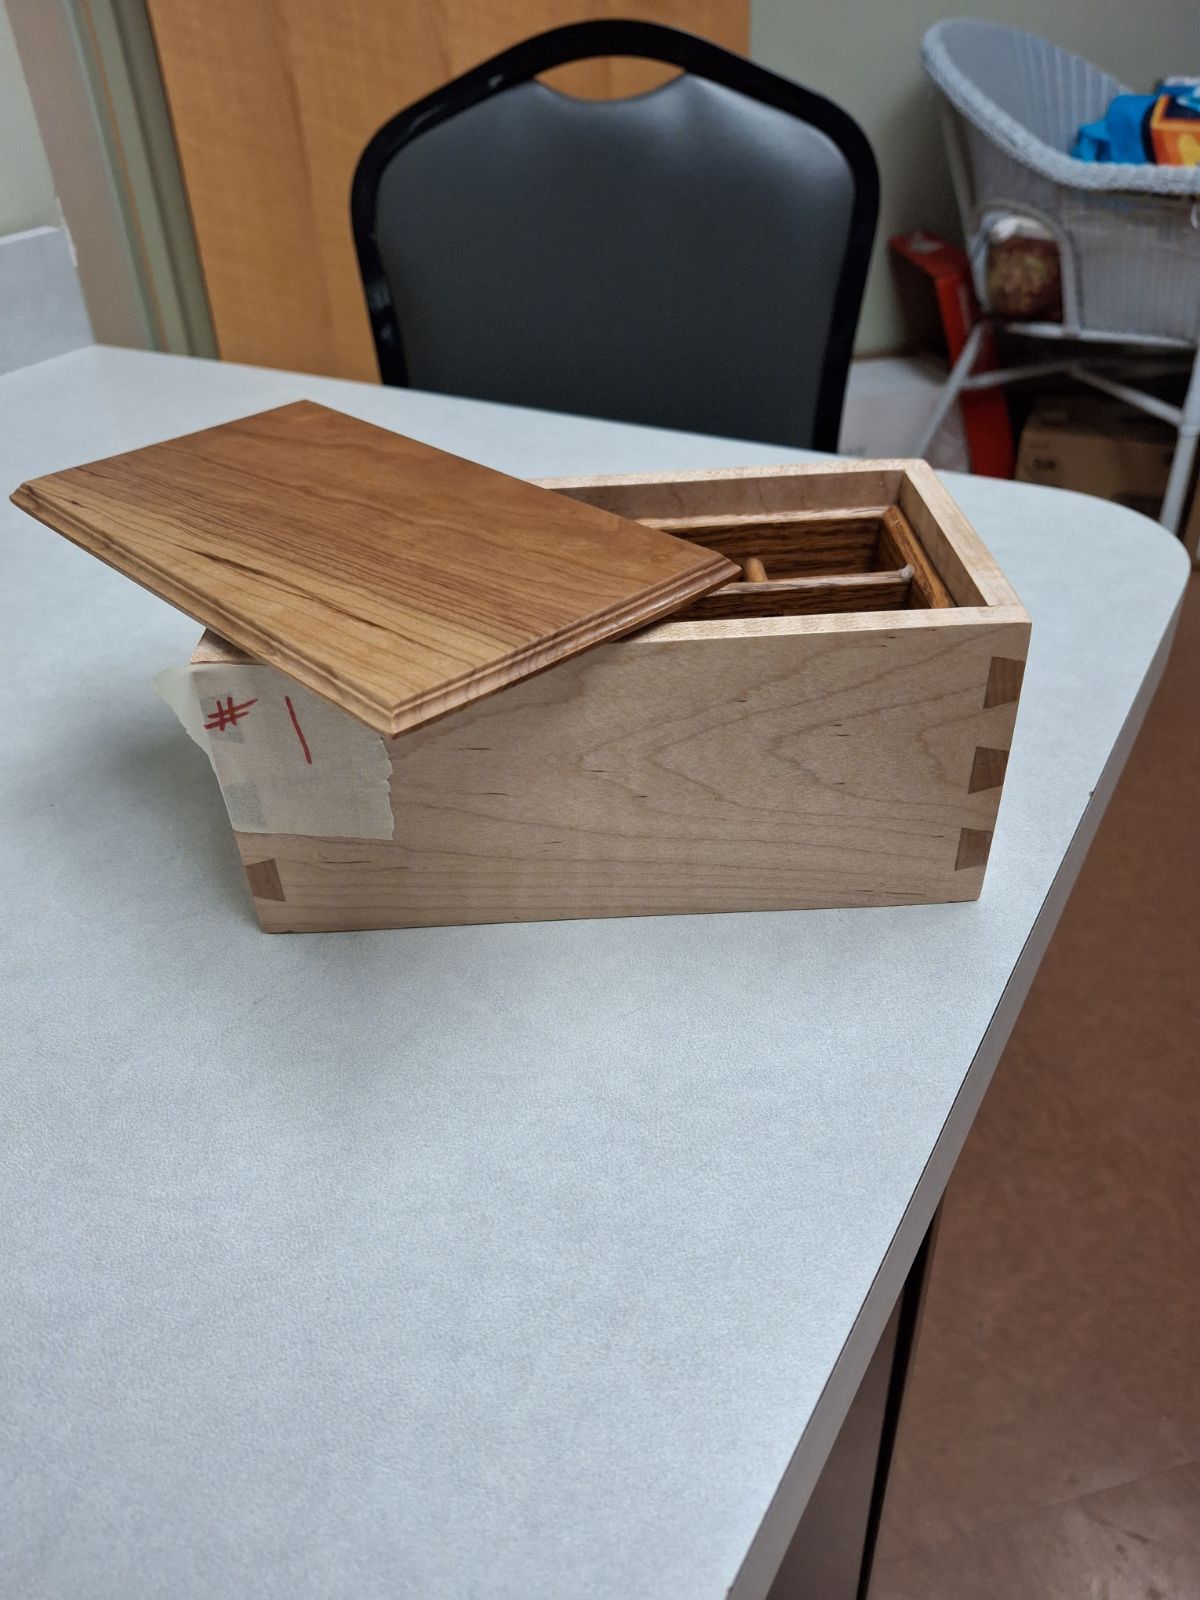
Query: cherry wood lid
x: 396, y: 580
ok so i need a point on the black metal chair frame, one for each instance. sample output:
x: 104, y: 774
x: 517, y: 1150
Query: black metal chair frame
x: 582, y: 41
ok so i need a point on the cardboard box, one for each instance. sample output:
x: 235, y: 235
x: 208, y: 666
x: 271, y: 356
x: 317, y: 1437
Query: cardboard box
x: 1097, y: 446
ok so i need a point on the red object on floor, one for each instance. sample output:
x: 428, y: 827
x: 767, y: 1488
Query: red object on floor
x: 929, y: 262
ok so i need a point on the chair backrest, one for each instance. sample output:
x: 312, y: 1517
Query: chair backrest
x: 693, y: 257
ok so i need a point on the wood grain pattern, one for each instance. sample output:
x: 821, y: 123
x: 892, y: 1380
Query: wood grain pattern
x: 900, y: 546
x: 724, y: 494
x: 914, y: 619
x: 673, y: 772
x: 272, y: 106
x: 802, y: 542
x: 396, y: 580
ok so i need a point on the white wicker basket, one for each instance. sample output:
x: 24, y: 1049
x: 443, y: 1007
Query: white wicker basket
x: 1128, y: 236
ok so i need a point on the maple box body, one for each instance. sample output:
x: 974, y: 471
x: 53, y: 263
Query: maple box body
x: 753, y: 761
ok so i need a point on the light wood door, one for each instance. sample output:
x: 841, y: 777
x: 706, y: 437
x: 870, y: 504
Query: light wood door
x: 272, y: 106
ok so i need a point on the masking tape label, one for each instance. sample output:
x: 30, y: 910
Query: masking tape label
x: 287, y: 761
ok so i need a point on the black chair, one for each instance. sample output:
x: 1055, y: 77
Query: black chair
x: 693, y: 257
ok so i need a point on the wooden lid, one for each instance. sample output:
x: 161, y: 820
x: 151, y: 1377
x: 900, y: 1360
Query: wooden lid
x: 396, y: 580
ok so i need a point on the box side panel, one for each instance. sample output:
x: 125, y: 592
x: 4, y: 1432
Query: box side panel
x: 965, y: 563
x: 739, y: 491
x: 688, y: 775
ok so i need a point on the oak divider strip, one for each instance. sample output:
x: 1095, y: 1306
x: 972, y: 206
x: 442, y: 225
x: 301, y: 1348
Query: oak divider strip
x: 901, y: 544
x: 798, y: 597
x: 756, y: 519
x: 825, y: 542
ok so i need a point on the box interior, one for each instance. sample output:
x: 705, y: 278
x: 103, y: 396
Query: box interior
x: 815, y: 542
x: 804, y: 563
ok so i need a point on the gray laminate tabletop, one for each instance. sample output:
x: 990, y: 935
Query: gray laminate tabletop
x: 521, y: 1261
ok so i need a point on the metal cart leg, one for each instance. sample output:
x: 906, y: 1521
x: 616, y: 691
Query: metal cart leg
x: 1180, y: 477
x: 958, y: 375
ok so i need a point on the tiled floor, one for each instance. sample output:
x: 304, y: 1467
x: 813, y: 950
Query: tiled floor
x: 1050, y: 1442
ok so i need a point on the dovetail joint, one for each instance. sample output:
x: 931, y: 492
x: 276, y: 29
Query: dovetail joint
x: 1003, y: 682
x: 973, y: 847
x: 987, y: 769
x: 264, y: 881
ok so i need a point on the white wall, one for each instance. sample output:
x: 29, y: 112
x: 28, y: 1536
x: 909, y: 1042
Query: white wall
x: 26, y: 187
x: 863, y: 54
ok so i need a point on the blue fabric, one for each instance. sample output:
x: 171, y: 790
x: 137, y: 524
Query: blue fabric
x: 1120, y: 135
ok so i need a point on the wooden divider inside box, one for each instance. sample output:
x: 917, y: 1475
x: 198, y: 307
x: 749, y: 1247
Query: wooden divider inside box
x: 815, y: 541
x: 808, y: 563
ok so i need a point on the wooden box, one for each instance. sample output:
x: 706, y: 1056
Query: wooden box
x: 833, y: 730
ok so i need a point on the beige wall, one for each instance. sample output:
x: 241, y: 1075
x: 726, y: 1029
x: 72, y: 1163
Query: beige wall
x: 863, y: 54
x: 26, y: 187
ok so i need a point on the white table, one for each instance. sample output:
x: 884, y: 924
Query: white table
x: 521, y: 1261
